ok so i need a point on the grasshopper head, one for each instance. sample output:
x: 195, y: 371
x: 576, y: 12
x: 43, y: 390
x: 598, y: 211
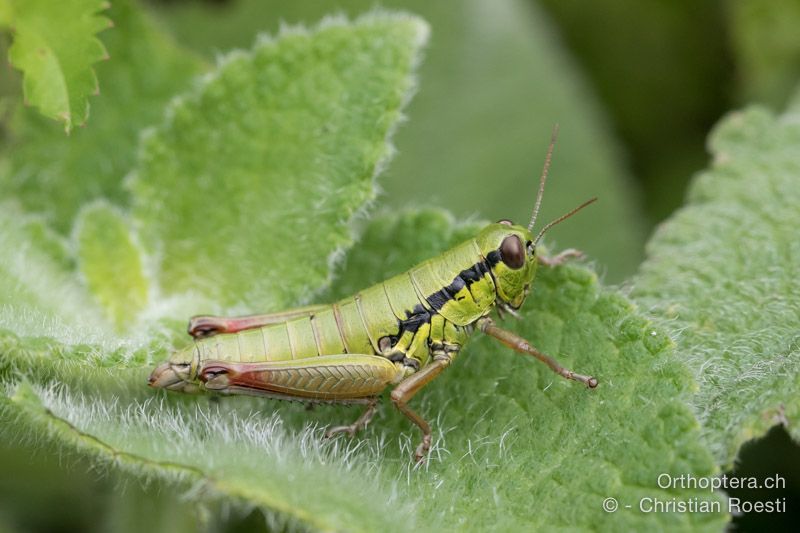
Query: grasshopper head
x: 510, y: 252
x: 179, y: 373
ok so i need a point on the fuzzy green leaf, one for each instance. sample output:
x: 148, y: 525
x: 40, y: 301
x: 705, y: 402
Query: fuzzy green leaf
x: 55, y: 175
x: 219, y: 451
x: 38, y: 296
x: 73, y: 415
x: 55, y: 45
x: 723, y: 273
x: 495, y: 81
x: 513, y: 442
x: 35, y: 230
x: 111, y: 263
x: 247, y: 191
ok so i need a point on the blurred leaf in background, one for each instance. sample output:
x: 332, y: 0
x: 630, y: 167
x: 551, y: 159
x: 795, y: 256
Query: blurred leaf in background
x: 110, y: 263
x: 54, y: 491
x: 54, y: 174
x: 764, y: 35
x: 663, y: 71
x: 56, y: 46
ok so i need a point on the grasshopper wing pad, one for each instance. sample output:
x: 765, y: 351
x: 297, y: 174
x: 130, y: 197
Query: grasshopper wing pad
x: 329, y: 377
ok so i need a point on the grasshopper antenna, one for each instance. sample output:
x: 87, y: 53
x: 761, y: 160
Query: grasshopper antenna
x: 543, y: 178
x: 562, y: 218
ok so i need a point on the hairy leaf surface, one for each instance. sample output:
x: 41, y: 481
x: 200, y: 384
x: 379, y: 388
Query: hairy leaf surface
x: 92, y: 397
x: 220, y: 451
x: 39, y: 296
x: 267, y: 163
x: 723, y: 273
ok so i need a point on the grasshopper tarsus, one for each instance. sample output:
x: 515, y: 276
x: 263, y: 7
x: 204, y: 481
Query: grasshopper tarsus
x: 422, y: 450
x: 589, y: 381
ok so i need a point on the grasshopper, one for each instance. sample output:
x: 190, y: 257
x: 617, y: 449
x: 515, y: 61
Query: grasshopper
x: 404, y: 331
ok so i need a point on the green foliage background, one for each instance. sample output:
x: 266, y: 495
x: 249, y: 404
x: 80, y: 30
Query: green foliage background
x: 299, y: 169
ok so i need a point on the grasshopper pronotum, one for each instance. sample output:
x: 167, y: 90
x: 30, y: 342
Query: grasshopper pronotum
x: 403, y: 331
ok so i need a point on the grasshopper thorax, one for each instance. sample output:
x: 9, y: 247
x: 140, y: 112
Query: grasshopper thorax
x: 510, y: 253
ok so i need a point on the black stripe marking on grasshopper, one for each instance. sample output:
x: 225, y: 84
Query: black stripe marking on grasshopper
x: 415, y: 319
x: 492, y: 258
x: 465, y: 278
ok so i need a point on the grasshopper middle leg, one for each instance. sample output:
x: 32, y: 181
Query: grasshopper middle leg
x: 359, y: 424
x: 408, y: 388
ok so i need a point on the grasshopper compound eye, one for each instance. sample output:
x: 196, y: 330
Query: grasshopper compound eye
x: 512, y: 252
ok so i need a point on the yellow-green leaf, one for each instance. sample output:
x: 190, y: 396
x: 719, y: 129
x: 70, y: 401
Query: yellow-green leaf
x: 53, y: 174
x: 246, y: 192
x: 55, y: 45
x: 111, y: 263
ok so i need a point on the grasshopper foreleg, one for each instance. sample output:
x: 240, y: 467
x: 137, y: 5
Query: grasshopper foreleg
x: 519, y: 344
x: 359, y: 424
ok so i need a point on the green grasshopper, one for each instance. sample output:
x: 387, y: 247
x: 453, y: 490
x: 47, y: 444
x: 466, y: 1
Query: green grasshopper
x: 404, y: 331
